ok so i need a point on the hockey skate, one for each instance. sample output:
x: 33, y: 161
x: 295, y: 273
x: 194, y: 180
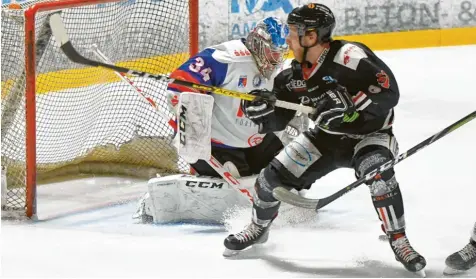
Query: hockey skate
x: 252, y: 234
x: 462, y: 260
x: 404, y: 253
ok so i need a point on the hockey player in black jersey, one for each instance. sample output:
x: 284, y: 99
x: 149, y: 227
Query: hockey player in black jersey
x: 354, y: 93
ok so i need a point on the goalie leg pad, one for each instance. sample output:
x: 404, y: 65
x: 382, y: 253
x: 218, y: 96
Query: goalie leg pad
x: 183, y: 198
x: 195, y: 121
x: 385, y: 191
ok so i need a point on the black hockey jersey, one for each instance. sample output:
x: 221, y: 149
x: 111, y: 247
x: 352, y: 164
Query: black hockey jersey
x: 368, y: 80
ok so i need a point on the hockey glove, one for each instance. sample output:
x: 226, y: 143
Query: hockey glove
x: 334, y: 108
x: 261, y: 109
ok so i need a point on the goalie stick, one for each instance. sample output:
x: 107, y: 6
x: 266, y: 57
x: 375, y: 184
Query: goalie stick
x: 212, y: 161
x: 61, y: 36
x: 282, y: 194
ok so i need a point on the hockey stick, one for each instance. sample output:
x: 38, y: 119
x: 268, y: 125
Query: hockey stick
x: 286, y: 196
x: 61, y: 36
x: 212, y: 161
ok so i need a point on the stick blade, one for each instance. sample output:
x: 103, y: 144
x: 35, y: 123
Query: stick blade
x: 284, y: 195
x: 58, y: 29
x: 61, y: 36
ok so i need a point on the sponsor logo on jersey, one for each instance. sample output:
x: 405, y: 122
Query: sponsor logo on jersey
x: 255, y: 139
x: 334, y: 97
x: 242, y: 81
x: 257, y: 81
x: 374, y: 89
x: 349, y: 56
x: 245, y: 122
x: 242, y: 52
x: 329, y: 79
x: 313, y: 88
x: 323, y: 55
x: 296, y: 85
x: 305, y: 100
x: 383, y: 80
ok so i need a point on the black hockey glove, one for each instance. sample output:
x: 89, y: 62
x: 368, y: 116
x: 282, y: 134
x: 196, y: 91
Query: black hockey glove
x: 334, y: 108
x: 261, y: 109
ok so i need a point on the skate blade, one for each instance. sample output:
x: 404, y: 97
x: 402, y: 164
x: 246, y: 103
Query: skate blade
x: 230, y: 253
x: 421, y: 273
x: 451, y: 271
x: 238, y: 254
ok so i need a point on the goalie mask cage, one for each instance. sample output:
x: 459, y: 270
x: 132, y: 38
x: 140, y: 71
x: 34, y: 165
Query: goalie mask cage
x: 60, y: 119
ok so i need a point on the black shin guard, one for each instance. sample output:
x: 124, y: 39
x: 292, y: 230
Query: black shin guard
x: 390, y: 210
x: 386, y: 195
x: 265, y: 206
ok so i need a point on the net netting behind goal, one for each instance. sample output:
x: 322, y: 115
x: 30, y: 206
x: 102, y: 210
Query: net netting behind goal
x: 88, y: 121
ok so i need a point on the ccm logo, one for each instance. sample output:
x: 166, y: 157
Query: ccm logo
x: 384, y: 167
x: 204, y: 184
x: 183, y: 112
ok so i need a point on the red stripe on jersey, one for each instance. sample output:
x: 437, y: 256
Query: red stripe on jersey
x: 183, y: 75
x: 216, y: 141
x: 307, y: 72
x: 357, y: 99
x: 354, y: 98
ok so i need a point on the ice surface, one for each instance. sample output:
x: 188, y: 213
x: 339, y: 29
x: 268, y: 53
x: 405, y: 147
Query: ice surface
x: 86, y: 230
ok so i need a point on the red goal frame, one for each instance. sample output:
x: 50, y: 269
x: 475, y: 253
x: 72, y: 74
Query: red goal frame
x: 30, y: 69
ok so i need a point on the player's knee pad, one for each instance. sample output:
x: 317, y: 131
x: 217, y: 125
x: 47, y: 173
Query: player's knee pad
x: 367, y: 161
x: 372, y: 152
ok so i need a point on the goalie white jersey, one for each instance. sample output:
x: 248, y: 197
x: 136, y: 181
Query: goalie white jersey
x: 231, y: 66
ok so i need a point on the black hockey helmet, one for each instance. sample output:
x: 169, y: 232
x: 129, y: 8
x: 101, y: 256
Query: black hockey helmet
x: 313, y: 17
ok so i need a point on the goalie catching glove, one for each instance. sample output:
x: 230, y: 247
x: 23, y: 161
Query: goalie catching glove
x: 261, y: 109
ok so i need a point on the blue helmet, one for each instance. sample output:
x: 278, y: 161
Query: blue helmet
x: 267, y: 44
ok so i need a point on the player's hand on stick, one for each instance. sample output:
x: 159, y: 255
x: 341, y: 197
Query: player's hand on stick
x: 261, y: 109
x: 334, y: 108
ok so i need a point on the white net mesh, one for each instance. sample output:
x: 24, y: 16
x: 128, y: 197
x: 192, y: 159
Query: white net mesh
x: 88, y: 121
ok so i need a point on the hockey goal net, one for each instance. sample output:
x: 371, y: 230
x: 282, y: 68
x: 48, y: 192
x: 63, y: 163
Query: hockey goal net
x: 60, y: 119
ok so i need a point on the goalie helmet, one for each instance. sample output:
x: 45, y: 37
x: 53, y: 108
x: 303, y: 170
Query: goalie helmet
x: 267, y: 44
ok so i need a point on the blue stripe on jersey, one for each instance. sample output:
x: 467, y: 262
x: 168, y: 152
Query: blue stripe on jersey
x: 205, y: 69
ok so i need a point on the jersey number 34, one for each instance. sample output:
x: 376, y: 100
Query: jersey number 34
x: 197, y: 68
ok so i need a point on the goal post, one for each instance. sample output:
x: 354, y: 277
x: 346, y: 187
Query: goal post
x: 61, y: 119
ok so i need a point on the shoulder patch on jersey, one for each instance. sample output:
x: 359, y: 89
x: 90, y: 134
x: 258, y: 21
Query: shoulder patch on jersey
x: 233, y: 51
x: 349, y: 55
